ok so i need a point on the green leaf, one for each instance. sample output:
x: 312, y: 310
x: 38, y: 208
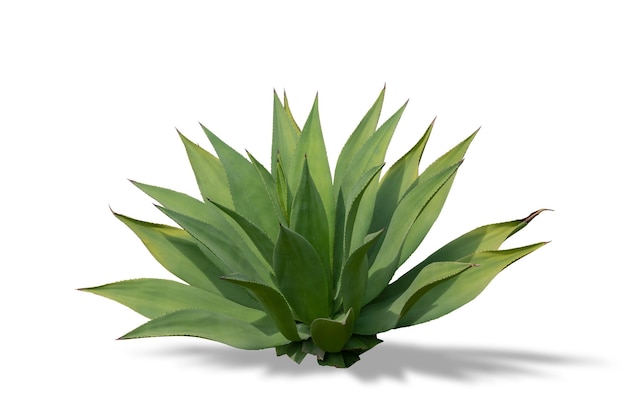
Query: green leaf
x: 270, y: 188
x: 282, y: 189
x: 181, y: 203
x: 179, y: 253
x: 245, y: 186
x: 357, y: 139
x: 308, y: 217
x: 485, y: 238
x: 301, y: 277
x: 445, y: 296
x: 420, y: 229
x: 361, y: 343
x: 209, y: 173
x: 235, y: 253
x: 369, y: 156
x: 353, y: 280
x: 397, y: 181
x: 386, y: 259
x: 289, y: 114
x: 351, y: 238
x: 154, y: 297
x: 293, y: 350
x: 343, y: 359
x: 221, y: 328
x: 311, y: 150
x: 331, y: 335
x: 284, y: 136
x: 273, y: 302
x: 381, y: 316
x: 261, y: 240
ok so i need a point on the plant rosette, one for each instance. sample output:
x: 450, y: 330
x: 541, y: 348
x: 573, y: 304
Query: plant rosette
x: 308, y: 268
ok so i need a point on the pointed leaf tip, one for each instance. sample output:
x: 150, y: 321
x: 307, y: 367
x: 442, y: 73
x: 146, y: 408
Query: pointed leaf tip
x: 534, y: 214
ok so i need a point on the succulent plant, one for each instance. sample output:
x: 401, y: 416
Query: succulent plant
x: 300, y: 260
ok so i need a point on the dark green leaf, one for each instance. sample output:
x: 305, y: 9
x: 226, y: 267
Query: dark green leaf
x: 274, y: 304
x: 308, y: 217
x: 332, y: 334
x: 301, y: 277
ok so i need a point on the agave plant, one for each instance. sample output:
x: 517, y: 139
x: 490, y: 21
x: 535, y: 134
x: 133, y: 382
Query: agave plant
x: 300, y: 260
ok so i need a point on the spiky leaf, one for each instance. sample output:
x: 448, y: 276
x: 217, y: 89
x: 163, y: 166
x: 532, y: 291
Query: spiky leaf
x: 301, y: 276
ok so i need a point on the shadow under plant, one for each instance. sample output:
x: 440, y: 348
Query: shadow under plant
x: 392, y: 360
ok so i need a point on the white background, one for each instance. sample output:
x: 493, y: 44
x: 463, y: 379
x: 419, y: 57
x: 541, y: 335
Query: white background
x: 91, y: 92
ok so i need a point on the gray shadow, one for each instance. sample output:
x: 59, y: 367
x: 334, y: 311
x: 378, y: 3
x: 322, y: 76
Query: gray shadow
x: 389, y: 360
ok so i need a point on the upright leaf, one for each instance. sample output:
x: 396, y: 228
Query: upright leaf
x: 372, y: 154
x: 397, y: 181
x: 308, y: 217
x: 284, y: 136
x: 209, y: 173
x: 245, y: 186
x: 301, y: 277
x: 420, y: 229
x: 353, y: 280
x: 311, y: 150
x: 357, y: 139
x: 270, y: 188
x: 386, y: 259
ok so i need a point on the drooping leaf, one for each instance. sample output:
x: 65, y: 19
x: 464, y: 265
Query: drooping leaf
x: 152, y: 298
x: 273, y: 302
x: 301, y: 277
x: 332, y: 334
x: 378, y: 317
x: 445, y: 296
x: 485, y: 238
x: 221, y: 328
